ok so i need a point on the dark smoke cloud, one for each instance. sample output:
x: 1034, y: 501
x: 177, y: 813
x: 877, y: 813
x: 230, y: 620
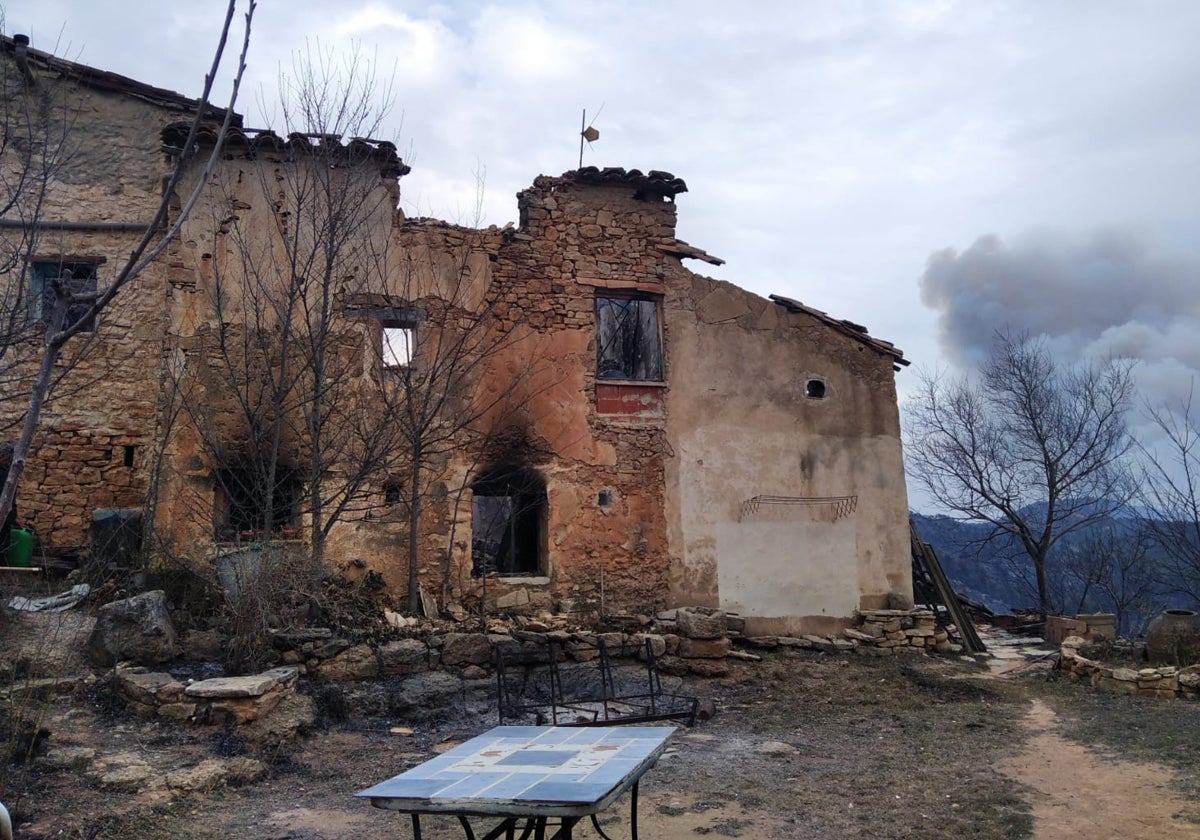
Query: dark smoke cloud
x: 1104, y: 293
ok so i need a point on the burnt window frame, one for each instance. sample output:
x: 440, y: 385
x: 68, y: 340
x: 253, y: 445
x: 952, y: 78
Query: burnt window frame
x: 85, y: 279
x: 234, y: 514
x: 393, y: 492
x: 634, y: 363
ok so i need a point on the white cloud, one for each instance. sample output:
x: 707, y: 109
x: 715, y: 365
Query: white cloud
x: 829, y: 147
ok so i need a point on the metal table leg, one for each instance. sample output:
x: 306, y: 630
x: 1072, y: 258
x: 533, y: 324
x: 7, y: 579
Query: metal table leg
x: 633, y: 800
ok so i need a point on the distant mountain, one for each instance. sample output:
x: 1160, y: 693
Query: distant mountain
x: 998, y: 574
x: 983, y: 574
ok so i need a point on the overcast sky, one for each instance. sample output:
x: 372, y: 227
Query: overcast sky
x: 934, y: 170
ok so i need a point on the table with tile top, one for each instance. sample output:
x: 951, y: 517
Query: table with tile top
x: 530, y: 778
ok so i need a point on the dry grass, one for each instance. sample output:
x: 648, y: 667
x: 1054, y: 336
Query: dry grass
x: 874, y: 748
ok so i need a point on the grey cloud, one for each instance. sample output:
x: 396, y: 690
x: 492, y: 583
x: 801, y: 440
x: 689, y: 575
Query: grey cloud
x: 1105, y: 293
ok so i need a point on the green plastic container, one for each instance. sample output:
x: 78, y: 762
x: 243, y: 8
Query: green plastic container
x: 20, y: 548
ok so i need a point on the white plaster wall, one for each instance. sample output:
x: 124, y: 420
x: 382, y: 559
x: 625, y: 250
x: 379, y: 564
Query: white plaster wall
x: 741, y: 426
x: 784, y: 569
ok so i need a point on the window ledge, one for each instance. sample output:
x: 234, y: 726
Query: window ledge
x: 523, y: 580
x: 644, y: 383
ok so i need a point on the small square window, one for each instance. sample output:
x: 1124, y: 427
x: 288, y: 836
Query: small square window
x: 398, y: 344
x: 79, y: 278
x: 393, y: 493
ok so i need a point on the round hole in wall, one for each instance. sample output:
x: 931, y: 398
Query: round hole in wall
x: 814, y: 389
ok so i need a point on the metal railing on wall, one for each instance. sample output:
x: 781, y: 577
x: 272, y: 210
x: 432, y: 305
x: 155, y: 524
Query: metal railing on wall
x: 842, y: 506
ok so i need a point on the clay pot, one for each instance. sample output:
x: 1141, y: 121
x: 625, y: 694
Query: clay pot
x: 1174, y: 638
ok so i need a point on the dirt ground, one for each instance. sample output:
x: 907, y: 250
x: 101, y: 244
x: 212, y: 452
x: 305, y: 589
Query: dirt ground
x: 804, y: 745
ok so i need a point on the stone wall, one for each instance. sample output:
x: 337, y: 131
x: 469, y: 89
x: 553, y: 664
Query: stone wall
x: 877, y: 633
x: 434, y: 668
x: 1165, y: 682
x: 107, y: 397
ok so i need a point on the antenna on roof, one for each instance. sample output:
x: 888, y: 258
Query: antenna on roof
x: 587, y: 133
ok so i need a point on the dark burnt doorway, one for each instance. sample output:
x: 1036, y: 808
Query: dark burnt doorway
x: 508, y: 522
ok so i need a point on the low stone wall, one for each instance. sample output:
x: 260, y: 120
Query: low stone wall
x: 685, y: 641
x: 1167, y: 681
x: 879, y: 633
x: 696, y: 641
x: 235, y: 700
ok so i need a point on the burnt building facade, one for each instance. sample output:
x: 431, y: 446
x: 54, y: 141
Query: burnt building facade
x: 620, y: 432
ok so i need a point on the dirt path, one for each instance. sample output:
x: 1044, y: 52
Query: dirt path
x: 1078, y: 792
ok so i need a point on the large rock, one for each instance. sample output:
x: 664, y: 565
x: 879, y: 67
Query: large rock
x: 426, y: 695
x: 697, y: 624
x: 293, y: 716
x: 240, y: 700
x: 354, y: 663
x: 138, y: 629
x: 404, y: 656
x: 466, y: 649
x: 216, y: 773
x: 137, y: 685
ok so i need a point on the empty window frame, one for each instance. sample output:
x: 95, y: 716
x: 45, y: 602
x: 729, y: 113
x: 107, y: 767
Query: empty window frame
x: 628, y: 340
x: 398, y: 341
x: 508, y: 523
x: 77, y: 278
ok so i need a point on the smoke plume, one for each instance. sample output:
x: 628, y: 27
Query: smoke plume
x: 1106, y: 293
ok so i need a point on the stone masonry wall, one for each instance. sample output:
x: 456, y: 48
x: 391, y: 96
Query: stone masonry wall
x: 107, y: 400
x: 1165, y: 682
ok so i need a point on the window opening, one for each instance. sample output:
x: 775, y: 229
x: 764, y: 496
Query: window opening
x: 242, y: 503
x: 508, y: 517
x: 814, y: 389
x: 628, y: 343
x: 79, y: 279
x: 393, y: 493
x: 398, y: 343
x: 130, y: 451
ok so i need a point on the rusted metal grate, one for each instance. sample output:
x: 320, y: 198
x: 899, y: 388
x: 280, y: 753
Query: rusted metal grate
x: 842, y: 506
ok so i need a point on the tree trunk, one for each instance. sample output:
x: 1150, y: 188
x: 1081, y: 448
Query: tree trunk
x: 41, y: 387
x: 414, y: 521
x: 1043, y: 586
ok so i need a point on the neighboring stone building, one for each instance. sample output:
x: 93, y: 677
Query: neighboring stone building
x: 651, y: 437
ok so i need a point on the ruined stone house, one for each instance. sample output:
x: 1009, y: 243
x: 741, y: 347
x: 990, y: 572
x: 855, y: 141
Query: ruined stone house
x: 656, y: 438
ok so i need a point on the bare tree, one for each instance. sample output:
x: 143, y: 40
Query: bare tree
x: 301, y: 227
x: 338, y: 371
x: 1033, y: 447
x: 1112, y: 568
x: 1171, y: 494
x: 43, y: 124
x: 462, y: 394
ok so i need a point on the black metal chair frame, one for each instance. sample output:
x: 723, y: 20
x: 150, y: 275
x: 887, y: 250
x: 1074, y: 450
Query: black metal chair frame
x: 609, y: 709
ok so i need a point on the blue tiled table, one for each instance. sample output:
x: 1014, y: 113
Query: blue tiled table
x: 528, y: 775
